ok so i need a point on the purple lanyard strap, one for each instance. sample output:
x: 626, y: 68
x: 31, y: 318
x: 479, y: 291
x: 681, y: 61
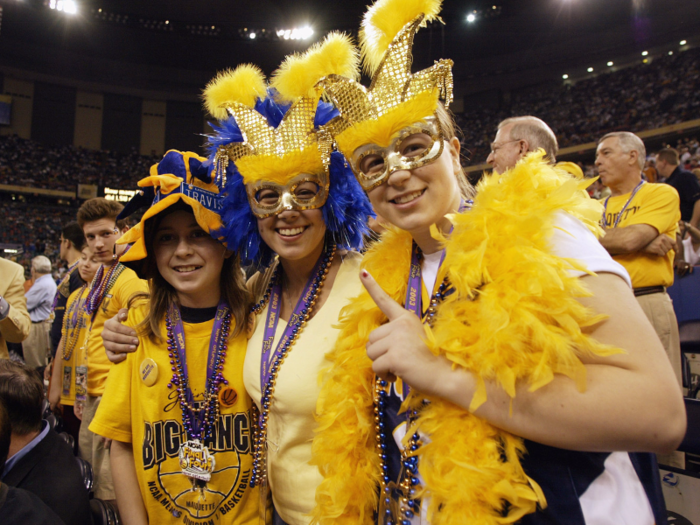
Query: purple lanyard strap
x: 273, y: 315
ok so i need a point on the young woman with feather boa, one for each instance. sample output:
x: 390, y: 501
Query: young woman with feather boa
x: 497, y: 364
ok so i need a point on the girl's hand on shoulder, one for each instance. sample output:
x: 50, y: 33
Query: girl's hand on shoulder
x: 398, y: 347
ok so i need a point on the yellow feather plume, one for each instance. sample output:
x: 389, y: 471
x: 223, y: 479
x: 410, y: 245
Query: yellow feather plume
x: 384, y: 20
x: 245, y: 84
x: 299, y: 73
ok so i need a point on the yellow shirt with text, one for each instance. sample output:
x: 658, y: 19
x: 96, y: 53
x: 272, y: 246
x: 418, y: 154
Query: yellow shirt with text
x: 116, y: 298
x: 150, y: 417
x: 657, y: 205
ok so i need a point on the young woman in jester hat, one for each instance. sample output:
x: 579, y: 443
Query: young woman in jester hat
x: 497, y: 355
x: 295, y: 212
x: 176, y: 409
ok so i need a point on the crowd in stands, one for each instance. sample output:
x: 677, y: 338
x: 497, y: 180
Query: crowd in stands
x: 647, y: 96
x: 28, y: 163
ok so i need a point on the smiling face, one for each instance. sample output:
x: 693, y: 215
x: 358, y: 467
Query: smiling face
x: 101, y: 236
x: 416, y: 199
x: 189, y: 259
x: 88, y: 265
x: 293, y: 234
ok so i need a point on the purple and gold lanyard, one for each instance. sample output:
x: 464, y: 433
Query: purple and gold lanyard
x: 414, y: 296
x: 273, y: 315
x: 215, y: 342
x: 619, y: 215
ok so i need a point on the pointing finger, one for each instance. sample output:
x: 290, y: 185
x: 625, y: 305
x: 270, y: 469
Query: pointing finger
x: 386, y: 304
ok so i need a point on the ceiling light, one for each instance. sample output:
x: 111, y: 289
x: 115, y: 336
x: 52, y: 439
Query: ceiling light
x: 670, y: 52
x: 252, y: 36
x: 610, y: 63
x: 684, y: 42
x: 645, y: 53
x: 67, y: 6
x: 471, y: 17
x: 565, y: 76
x: 590, y: 70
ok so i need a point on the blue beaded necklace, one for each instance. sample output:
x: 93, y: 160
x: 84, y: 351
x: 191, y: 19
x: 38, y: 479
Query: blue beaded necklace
x: 408, y: 504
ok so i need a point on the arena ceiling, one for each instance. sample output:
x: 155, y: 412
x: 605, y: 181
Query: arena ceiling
x: 523, y: 42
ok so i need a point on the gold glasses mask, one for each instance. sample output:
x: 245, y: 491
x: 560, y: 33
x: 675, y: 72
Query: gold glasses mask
x: 414, y: 146
x: 303, y: 192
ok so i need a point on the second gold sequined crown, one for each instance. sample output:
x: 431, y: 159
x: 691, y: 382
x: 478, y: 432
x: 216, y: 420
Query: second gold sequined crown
x: 396, y: 98
x: 278, y: 154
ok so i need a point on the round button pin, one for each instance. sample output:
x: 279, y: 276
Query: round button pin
x: 148, y: 371
x: 227, y: 397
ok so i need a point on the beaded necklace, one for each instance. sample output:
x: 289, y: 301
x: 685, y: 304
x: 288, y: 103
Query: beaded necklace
x: 195, y: 460
x: 408, y: 504
x: 271, y: 364
x: 101, y: 285
x: 73, y: 323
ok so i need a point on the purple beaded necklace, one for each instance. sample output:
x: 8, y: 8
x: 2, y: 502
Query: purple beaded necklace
x: 195, y: 460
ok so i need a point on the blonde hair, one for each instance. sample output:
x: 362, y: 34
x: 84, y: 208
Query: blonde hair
x: 449, y: 131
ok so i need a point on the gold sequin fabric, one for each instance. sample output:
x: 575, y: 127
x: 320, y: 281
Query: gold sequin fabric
x: 392, y: 85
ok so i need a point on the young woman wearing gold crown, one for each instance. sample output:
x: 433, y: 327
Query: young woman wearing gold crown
x: 294, y: 210
x: 497, y: 354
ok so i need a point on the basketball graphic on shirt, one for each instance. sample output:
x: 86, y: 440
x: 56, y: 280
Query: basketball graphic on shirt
x: 194, y: 497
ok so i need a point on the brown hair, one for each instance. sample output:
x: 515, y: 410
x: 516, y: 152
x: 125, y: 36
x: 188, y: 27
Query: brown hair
x: 449, y: 131
x: 162, y: 294
x: 22, y: 393
x: 669, y: 155
x: 5, y: 436
x: 100, y: 208
x: 74, y: 233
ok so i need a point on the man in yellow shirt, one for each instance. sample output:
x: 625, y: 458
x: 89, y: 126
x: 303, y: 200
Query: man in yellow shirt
x: 641, y: 222
x: 110, y: 290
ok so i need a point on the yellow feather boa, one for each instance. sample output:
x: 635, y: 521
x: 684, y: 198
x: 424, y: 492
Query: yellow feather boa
x: 514, y: 317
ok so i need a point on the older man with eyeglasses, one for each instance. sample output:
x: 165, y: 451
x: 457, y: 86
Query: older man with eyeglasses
x: 518, y: 136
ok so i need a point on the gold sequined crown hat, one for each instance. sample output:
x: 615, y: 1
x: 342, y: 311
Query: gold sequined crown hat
x: 272, y: 139
x: 398, y: 103
x: 180, y: 177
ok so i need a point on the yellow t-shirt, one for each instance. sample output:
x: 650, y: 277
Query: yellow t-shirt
x: 118, y: 297
x: 291, y: 422
x: 657, y: 205
x: 73, y: 333
x: 151, y: 419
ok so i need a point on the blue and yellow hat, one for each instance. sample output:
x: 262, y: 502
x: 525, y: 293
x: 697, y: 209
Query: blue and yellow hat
x: 179, y: 177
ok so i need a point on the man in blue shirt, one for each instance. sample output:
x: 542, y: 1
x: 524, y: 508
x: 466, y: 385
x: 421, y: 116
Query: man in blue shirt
x: 686, y: 184
x: 37, y: 347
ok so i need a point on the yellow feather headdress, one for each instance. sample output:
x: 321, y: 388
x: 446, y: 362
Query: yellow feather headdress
x: 279, y: 153
x: 395, y: 95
